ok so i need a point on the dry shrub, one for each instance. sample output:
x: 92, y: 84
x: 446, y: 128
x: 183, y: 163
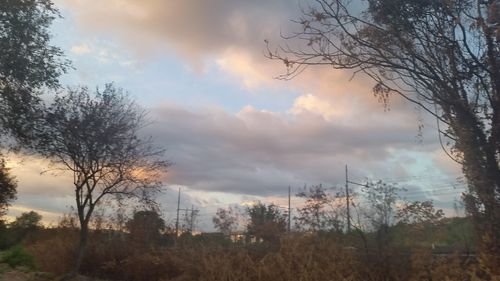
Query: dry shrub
x: 299, y: 257
x: 224, y: 265
x: 112, y: 256
x: 426, y: 266
x: 149, y: 266
x: 310, y: 258
x: 450, y: 268
x: 54, y: 250
x: 421, y: 264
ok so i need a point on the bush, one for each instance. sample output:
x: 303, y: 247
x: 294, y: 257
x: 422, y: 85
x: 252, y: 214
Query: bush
x: 18, y: 256
x: 54, y: 250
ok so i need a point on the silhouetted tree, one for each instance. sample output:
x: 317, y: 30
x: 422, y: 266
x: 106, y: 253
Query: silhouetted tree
x: 266, y: 222
x: 28, y: 62
x: 381, y: 199
x: 188, y: 221
x: 7, y: 187
x: 226, y: 220
x: 26, y: 223
x: 421, y: 220
x: 443, y: 56
x: 145, y: 227
x: 317, y: 213
x: 96, y: 137
x: 418, y: 212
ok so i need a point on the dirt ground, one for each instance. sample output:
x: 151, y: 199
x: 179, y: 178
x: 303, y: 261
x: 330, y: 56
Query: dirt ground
x: 21, y: 274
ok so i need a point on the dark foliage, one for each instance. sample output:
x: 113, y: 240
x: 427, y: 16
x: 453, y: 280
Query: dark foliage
x: 28, y: 62
x: 7, y: 187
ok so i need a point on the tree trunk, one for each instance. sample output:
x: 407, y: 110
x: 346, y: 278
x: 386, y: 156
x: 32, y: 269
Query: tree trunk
x: 81, y: 248
x: 80, y: 252
x: 482, y: 171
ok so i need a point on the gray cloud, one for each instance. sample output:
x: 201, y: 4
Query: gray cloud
x: 252, y: 153
x: 259, y: 153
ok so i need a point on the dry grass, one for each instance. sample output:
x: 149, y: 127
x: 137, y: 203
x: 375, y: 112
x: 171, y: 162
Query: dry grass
x: 300, y: 257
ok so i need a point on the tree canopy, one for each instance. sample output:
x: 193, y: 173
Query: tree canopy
x: 28, y: 62
x: 266, y: 222
x: 145, y: 227
x: 7, y: 187
x: 318, y: 212
x: 95, y: 136
x: 226, y: 220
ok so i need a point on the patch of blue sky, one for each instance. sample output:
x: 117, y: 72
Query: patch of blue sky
x: 162, y: 77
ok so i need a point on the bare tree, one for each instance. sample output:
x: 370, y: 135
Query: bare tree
x: 226, y: 220
x: 443, y: 56
x: 318, y: 212
x: 189, y: 220
x: 381, y: 198
x: 96, y: 137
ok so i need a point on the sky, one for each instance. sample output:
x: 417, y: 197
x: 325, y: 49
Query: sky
x: 234, y: 132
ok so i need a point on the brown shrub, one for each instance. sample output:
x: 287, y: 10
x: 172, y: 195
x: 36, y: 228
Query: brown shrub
x: 54, y: 250
x: 298, y: 257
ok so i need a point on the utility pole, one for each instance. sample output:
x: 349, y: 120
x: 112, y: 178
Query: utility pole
x: 347, y: 200
x: 289, y: 210
x: 191, y: 222
x: 177, y: 220
x: 347, y: 197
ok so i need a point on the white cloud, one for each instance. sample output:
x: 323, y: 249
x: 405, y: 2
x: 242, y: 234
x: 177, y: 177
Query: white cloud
x: 81, y: 49
x: 310, y: 104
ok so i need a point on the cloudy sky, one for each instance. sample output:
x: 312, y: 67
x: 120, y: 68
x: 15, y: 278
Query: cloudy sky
x: 234, y: 132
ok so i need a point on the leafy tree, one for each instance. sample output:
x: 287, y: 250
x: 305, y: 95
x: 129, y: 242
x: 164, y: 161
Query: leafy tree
x: 266, y: 222
x: 422, y: 220
x: 28, y: 62
x: 226, y: 220
x: 7, y: 187
x: 317, y: 212
x: 145, y: 227
x: 96, y: 137
x: 418, y: 212
x: 28, y: 221
x: 443, y: 56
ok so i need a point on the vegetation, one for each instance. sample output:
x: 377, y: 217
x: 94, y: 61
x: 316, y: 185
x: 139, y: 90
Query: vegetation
x: 266, y: 222
x: 28, y: 63
x: 145, y: 228
x: 7, y: 187
x: 419, y: 243
x: 226, y: 220
x: 294, y: 256
x: 319, y: 211
x: 440, y: 55
x: 96, y: 137
x: 18, y: 256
